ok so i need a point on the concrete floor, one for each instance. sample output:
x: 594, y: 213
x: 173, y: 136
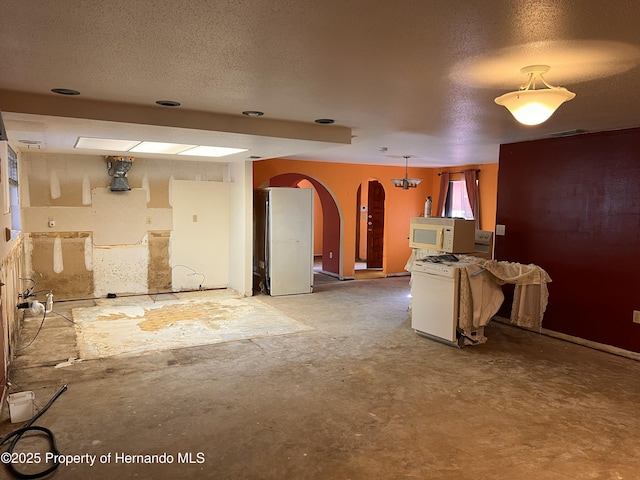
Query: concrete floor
x: 359, y: 397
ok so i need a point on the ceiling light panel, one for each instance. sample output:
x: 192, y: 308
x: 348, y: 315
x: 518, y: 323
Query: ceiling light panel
x: 106, y: 144
x: 205, y: 151
x: 160, y: 147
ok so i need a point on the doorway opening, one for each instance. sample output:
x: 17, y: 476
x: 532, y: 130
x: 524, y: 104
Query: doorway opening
x: 370, y: 205
x: 327, y: 222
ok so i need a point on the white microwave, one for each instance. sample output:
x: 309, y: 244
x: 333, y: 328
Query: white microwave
x: 449, y: 235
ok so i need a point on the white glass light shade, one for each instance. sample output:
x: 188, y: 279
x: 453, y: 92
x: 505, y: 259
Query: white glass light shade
x: 532, y: 107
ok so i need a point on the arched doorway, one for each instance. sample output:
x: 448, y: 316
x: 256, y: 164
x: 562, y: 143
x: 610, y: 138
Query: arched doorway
x: 331, y: 261
x: 370, y: 199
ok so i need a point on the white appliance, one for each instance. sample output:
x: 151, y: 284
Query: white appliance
x: 283, y: 239
x: 434, y: 300
x: 483, y: 247
x: 450, y: 235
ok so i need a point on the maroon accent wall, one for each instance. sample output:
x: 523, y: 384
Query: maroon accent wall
x: 330, y: 218
x: 572, y: 206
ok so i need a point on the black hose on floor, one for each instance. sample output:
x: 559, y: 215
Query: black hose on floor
x: 28, y: 427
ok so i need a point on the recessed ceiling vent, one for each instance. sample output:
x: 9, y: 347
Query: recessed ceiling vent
x: 118, y: 167
x: 568, y: 133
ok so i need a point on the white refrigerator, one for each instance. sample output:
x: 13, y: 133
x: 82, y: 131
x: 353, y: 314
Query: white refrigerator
x: 283, y: 240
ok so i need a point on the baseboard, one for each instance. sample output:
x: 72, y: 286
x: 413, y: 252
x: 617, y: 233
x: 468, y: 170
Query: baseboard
x: 595, y: 345
x: 578, y: 341
x: 335, y: 275
x: 399, y: 274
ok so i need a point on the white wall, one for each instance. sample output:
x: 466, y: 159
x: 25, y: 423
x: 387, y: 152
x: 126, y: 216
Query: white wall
x: 241, y: 228
x: 200, y: 238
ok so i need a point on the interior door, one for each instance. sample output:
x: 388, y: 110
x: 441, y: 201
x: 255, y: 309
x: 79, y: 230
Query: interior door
x: 290, y: 240
x: 375, y: 225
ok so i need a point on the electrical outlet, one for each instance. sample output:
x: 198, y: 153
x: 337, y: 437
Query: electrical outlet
x: 500, y: 229
x: 636, y: 316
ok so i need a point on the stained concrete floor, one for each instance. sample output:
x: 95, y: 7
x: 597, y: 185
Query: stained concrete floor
x: 359, y: 397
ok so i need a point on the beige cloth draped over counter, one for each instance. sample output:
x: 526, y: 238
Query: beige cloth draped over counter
x: 481, y: 294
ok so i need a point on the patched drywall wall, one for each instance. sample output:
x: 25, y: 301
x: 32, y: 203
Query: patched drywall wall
x: 119, y: 216
x: 86, y: 240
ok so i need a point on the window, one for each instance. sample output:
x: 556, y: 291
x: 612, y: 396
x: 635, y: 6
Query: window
x: 457, y: 201
x: 14, y: 195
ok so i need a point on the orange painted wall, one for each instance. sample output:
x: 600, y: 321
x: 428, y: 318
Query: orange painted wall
x: 343, y: 179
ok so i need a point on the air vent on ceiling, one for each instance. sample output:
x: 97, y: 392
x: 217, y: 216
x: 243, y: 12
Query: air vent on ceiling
x: 568, y: 133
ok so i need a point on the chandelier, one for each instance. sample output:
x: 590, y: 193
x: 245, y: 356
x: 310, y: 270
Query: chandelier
x: 406, y: 183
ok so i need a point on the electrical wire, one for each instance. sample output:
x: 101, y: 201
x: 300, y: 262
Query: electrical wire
x: 28, y: 427
x: 44, y: 316
x: 65, y: 317
x: 193, y: 272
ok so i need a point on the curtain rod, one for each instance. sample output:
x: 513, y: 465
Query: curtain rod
x: 477, y: 171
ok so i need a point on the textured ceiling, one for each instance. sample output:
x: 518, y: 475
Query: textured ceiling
x: 418, y: 77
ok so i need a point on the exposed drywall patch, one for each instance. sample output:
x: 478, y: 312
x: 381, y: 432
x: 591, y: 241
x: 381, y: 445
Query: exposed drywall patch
x: 120, y: 217
x: 88, y: 254
x: 159, y: 219
x: 67, y: 219
x: 159, y: 267
x: 58, y: 263
x: 70, y: 170
x: 145, y: 186
x: 63, y: 235
x: 120, y: 269
x: 86, y: 190
x: 75, y: 281
x: 54, y: 185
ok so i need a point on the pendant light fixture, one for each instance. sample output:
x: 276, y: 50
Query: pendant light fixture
x: 530, y: 106
x: 406, y: 183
